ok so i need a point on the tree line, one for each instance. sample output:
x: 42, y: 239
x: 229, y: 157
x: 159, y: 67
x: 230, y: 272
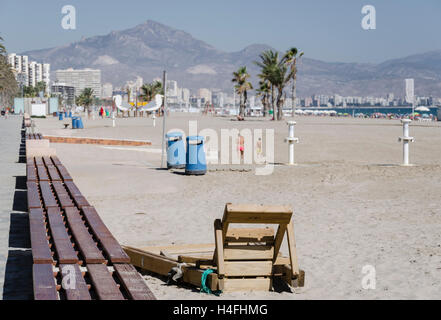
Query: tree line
x: 8, y: 84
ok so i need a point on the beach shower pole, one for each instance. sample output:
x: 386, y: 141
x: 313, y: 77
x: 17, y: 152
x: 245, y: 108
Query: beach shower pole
x: 406, y: 139
x: 291, y: 140
x: 164, y: 105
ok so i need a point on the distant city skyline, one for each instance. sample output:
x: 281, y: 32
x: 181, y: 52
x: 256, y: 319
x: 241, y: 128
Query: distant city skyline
x: 326, y: 30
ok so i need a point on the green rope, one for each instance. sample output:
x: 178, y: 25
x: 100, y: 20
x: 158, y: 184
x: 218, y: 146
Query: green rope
x: 204, y: 287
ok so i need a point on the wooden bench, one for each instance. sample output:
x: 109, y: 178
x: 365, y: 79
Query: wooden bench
x: 63, y: 246
x: 109, y: 244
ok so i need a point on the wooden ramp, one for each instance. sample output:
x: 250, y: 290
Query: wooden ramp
x: 245, y: 259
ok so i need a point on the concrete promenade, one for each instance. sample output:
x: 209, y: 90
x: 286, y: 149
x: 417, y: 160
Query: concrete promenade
x: 15, y: 254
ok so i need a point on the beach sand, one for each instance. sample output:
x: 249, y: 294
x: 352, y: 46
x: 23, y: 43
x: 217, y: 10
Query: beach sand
x: 353, y: 206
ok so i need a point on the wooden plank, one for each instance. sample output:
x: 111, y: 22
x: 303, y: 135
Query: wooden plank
x: 42, y: 173
x: 73, y: 282
x: 292, y: 248
x: 251, y: 213
x: 238, y: 235
x: 250, y: 252
x: 64, y: 173
x: 44, y: 282
x: 53, y: 173
x: 72, y: 189
x: 59, y: 188
x: 181, y: 248
x: 251, y: 284
x: 278, y: 240
x: 162, y: 265
x: 30, y: 161
x: 248, y: 268
x: 33, y: 195
x: 55, y: 160
x: 39, y: 161
x: 48, y: 161
x: 132, y: 282
x: 47, y: 195
x: 110, y: 245
x: 80, y: 201
x: 31, y: 173
x: 83, y: 238
x: 103, y: 283
x: 63, y: 246
x: 41, y: 254
x: 65, y: 201
x: 219, y: 251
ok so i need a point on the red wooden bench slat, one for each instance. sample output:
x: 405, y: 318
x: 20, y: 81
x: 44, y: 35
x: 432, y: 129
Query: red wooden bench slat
x: 47, y: 161
x: 30, y: 161
x: 133, y: 282
x: 63, y: 245
x: 42, y: 173
x: 53, y: 173
x: 75, y: 286
x: 64, y: 173
x: 81, y: 201
x: 41, y: 254
x: 83, y: 238
x: 110, y: 245
x: 55, y: 160
x: 59, y: 188
x: 47, y: 195
x: 103, y: 283
x: 33, y: 195
x: 72, y: 188
x: 39, y: 161
x: 44, y: 282
x: 31, y: 174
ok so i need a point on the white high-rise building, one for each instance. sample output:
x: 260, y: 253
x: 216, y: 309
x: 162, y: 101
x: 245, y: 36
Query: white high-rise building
x: 29, y: 74
x: 81, y: 79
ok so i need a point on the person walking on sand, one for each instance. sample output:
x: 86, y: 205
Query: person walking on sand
x: 241, y: 145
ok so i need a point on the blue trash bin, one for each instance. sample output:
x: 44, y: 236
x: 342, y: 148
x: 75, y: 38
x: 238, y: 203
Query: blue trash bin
x: 74, y: 122
x: 195, y: 158
x: 80, y: 123
x: 175, y: 150
x: 65, y: 114
x: 70, y: 114
x: 60, y: 115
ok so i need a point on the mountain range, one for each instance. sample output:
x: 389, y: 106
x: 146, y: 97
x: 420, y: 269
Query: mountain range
x: 149, y: 48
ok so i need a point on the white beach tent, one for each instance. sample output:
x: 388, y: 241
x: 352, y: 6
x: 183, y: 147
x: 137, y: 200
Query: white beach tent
x: 422, y: 109
x: 153, y: 105
x: 120, y: 104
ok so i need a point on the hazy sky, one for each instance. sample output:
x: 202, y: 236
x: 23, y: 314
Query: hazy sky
x: 329, y: 30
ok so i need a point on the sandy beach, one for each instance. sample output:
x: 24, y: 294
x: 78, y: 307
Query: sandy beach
x: 353, y: 205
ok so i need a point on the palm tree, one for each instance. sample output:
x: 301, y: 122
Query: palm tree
x: 150, y: 90
x: 240, y: 77
x: 291, y: 58
x: 264, y: 91
x: 268, y: 62
x: 86, y: 99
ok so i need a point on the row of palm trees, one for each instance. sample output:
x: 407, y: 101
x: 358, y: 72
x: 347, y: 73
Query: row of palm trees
x: 276, y: 72
x: 8, y: 84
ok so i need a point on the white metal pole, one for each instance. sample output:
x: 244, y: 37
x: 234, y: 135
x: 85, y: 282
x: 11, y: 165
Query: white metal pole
x: 406, y: 139
x: 164, y: 103
x: 291, y: 140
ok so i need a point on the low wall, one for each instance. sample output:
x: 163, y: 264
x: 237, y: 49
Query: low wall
x: 101, y: 141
